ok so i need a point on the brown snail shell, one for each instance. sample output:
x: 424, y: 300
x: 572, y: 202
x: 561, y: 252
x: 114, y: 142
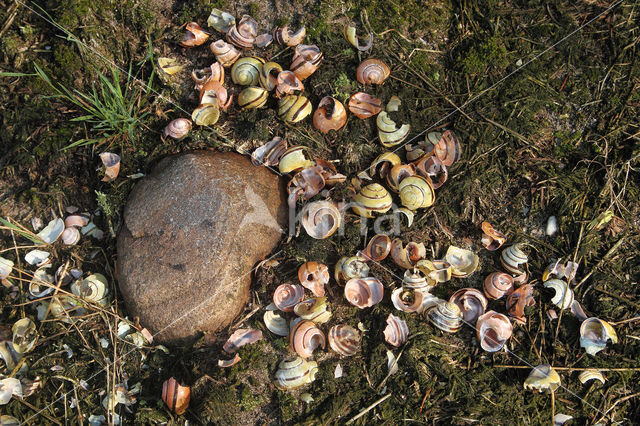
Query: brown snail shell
x: 397, y: 174
x: 306, y: 183
x: 226, y: 363
x: 498, y: 284
x: 378, y: 248
x: 344, y: 339
x: 214, y: 93
x: 518, y: 300
x: 329, y: 172
x: 363, y: 292
x: 195, y: 36
x: 244, y: 33
x: 493, y: 331
x: 383, y: 164
x: 111, y: 163
x: 407, y: 256
x: 177, y: 129
x: 314, y: 276
x: 202, y: 76
x: 288, y: 84
x: 269, y: 154
x: 471, y: 302
x: 330, y: 115
x: 363, y: 105
x: 225, y: 53
x: 263, y: 40
x: 448, y: 149
x: 241, y: 337
x: 305, y: 337
x: 491, y: 238
x: 176, y: 396
x: 432, y: 167
x: 287, y: 296
x: 446, y: 316
x: 285, y: 37
x: 305, y: 60
x: 372, y: 71
x: 321, y: 219
x: 396, y: 332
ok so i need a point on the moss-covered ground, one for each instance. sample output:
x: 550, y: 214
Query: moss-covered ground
x: 557, y: 137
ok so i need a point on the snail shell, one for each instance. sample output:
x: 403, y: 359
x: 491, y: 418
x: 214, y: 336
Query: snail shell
x: 294, y: 108
x: 70, y: 236
x: 241, y: 337
x: 246, y: 71
x: 288, y: 84
x: 206, y: 114
x: 226, y: 363
x: 498, y: 284
x: 195, y: 36
x: 363, y: 105
x: 79, y: 220
x: 294, y: 372
x: 493, y: 330
x: 253, y: 97
x: 407, y: 256
x: 372, y: 71
x: 446, y: 316
x: 398, y: 173
x: 263, y: 40
x: 93, y: 288
x: 294, y: 159
x: 388, y: 132
x: 270, y: 153
x: 542, y: 377
x: 344, y: 339
x: 437, y: 271
x: 202, y: 76
x: 409, y: 300
x: 269, y: 75
x: 396, y: 332
x: 9, y: 355
x: 177, y: 129
x: 373, y: 198
x: 594, y: 334
x: 276, y: 323
x: 169, y: 66
x: 111, y: 163
x: 518, y: 300
x: 306, y: 184
x: 471, y: 302
x: 563, y: 297
x: 285, y: 37
x: 330, y: 115
x: 363, y: 292
x: 560, y: 270
x: 591, y: 374
x: 321, y: 219
x: 352, y: 38
x: 221, y: 21
x: 305, y: 337
x: 176, y: 396
x: 348, y: 268
x: 415, y: 280
x: 314, y: 276
x: 24, y: 335
x: 314, y: 309
x: 514, y: 259
x: 329, y: 172
x: 215, y: 94
x: 305, y: 60
x: 6, y: 266
x: 383, y: 164
x: 429, y: 166
x: 225, y: 53
x: 378, y: 248
x: 287, y: 296
x: 244, y: 33
x: 491, y: 238
x: 448, y: 149
x: 464, y: 262
x: 416, y: 192
x: 38, y: 257
x: 41, y: 284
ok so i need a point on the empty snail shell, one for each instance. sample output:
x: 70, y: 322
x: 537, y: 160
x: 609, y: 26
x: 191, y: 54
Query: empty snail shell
x: 561, y: 270
x: 329, y: 172
x: 169, y: 66
x: 378, y: 248
x: 363, y: 292
x: 213, y: 73
x: 306, y: 184
x: 276, y: 323
x: 269, y: 75
x: 518, y: 300
x: 176, y: 396
x: 226, y: 363
x: 263, y: 40
x: 471, y: 302
x: 436, y: 271
x: 491, y: 238
x: 407, y: 256
x: 594, y: 334
x: 206, y: 114
x: 111, y: 163
x: 591, y: 374
x: 448, y: 149
x: 514, y: 259
x: 409, y: 300
x: 214, y: 93
x: 373, y: 198
x: 93, y: 288
x: 314, y: 276
x: 286, y: 296
x: 563, y: 297
x: 498, y: 284
x: 464, y: 262
x: 416, y: 192
x: 294, y: 372
x: 253, y: 97
x: 177, y: 129
x: 352, y: 38
x: 288, y: 84
x: 41, y: 284
x: 383, y: 164
x: 285, y: 37
x: 321, y: 219
x: 221, y: 21
x: 6, y: 266
x: 415, y: 280
x: 388, y: 132
x: 24, y: 335
x: 363, y: 105
x: 305, y: 60
x: 294, y: 159
x: 372, y: 71
x: 38, y: 257
x: 294, y: 108
x: 397, y: 174
x: 270, y: 153
x: 344, y: 339
x: 493, y: 331
x: 241, y: 337
x: 313, y: 309
x: 305, y: 337
x: 348, y: 268
x: 70, y: 236
x: 542, y: 377
x: 244, y: 33
x: 430, y: 166
x: 195, y: 36
x: 396, y: 332
x: 9, y: 355
x: 78, y: 220
x: 446, y: 316
x: 225, y: 53
x: 330, y: 115
x: 246, y: 71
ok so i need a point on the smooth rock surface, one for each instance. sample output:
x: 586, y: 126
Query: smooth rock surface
x: 193, y: 230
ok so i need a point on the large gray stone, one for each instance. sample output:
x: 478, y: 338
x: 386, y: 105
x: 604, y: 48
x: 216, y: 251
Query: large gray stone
x: 193, y: 230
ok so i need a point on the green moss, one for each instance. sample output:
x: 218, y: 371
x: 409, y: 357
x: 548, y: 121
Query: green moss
x: 249, y: 399
x: 287, y: 405
x: 489, y: 54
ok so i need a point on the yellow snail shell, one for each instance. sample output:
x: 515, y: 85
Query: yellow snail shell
x: 431, y: 167
x: 373, y: 198
x: 305, y: 60
x: 253, y: 97
x: 363, y: 105
x: 111, y: 163
x: 286, y: 37
x: 195, y: 36
x: 24, y: 335
x: 498, y: 284
x: 269, y: 75
x: 270, y: 153
x: 348, y: 268
x: 177, y: 129
x: 221, y: 21
x: 594, y: 334
x: 294, y: 372
x: 241, y: 337
x: 491, y: 238
x: 591, y: 374
x: 313, y: 309
x: 518, y: 300
x: 213, y: 93
x: 276, y: 323
x: 372, y: 71
x: 169, y: 66
x: 206, y: 114
x: 542, y: 377
x: 389, y: 134
x: 384, y: 163
x: 286, y: 296
x: 314, y: 276
x: 321, y: 219
x: 563, y: 297
x: 407, y: 256
x: 330, y: 115
x: 352, y: 38
x: 93, y: 288
x: 437, y: 271
x: 246, y: 71
x: 363, y: 292
x: 464, y: 262
x: 415, y: 280
x: 446, y: 316
x: 244, y: 33
x: 294, y: 108
x: 416, y: 192
x: 493, y: 331
x: 397, y: 174
x: 344, y: 339
x: 294, y: 159
x: 176, y: 396
x: 225, y: 53
x: 396, y: 332
x: 514, y: 259
x: 288, y: 84
x: 378, y: 248
x: 305, y: 337
x: 448, y: 149
x: 471, y: 302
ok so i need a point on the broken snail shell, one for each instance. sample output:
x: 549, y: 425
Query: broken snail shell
x: 244, y: 33
x: 9, y: 355
x: 276, y: 323
x: 221, y: 21
x: 24, y: 335
x: 253, y: 97
x: 70, y: 236
x: 514, y: 259
x: 305, y: 337
x: 37, y: 257
x: 383, y: 164
x: 225, y: 53
x: 415, y: 280
x: 285, y: 37
x: 388, y: 132
x: 269, y: 75
x: 591, y: 374
x: 294, y: 108
x: 518, y: 300
x: 294, y: 372
x: 206, y: 114
x: 313, y: 309
x: 491, y: 238
x: 397, y: 174
x: 352, y: 38
x: 288, y: 84
x: 215, y: 72
x: 416, y: 192
x: 464, y: 262
x: 241, y: 337
x: 407, y: 256
x: 305, y: 60
x: 493, y: 331
x: 542, y: 377
x: 93, y: 288
x: 446, y: 316
x: 563, y: 297
x: 372, y: 71
x: 176, y: 396
x: 294, y: 159
x: 177, y: 129
x: 471, y: 302
x: 41, y: 284
x: 436, y: 271
x: 448, y: 148
x: 363, y: 292
x: 410, y: 300
x: 498, y: 284
x: 348, y: 268
x: 314, y: 276
x: 378, y: 248
x: 594, y: 334
x: 286, y: 296
x: 195, y: 36
x: 6, y: 266
x: 169, y: 66
x: 344, y: 339
x: 373, y: 198
x: 430, y: 166
x: 246, y: 71
x: 330, y: 115
x: 111, y: 163
x: 226, y: 363
x: 305, y: 184
x: 321, y: 219
x: 214, y: 93
x: 363, y: 105
x: 270, y: 153
x: 396, y: 332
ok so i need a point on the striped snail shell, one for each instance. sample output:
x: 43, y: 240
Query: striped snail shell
x: 305, y: 60
x: 591, y: 374
x: 594, y: 334
x: 241, y: 337
x: 396, y: 332
x: 294, y: 108
x: 294, y: 159
x: 514, y: 259
x: 206, y: 114
x: 176, y: 396
x: 269, y: 154
x: 448, y: 149
x: 414, y: 279
x: 269, y: 75
x: 253, y: 97
x: 244, y: 33
x: 221, y: 21
x: 372, y: 71
x: 330, y: 115
x: 518, y: 300
x: 463, y: 262
x: 169, y: 66
x: 352, y: 38
x: 177, y: 129
x: 491, y: 238
x: 285, y: 37
x: 416, y: 192
x: 263, y: 40
x: 471, y: 302
x: 344, y: 339
x: 363, y: 292
x: 288, y: 84
x: 388, y: 132
x: 373, y: 198
x: 305, y: 184
x: 314, y: 276
x: 286, y: 296
x: 430, y: 166
x: 214, y: 93
x: 321, y: 219
x: 225, y: 53
x: 70, y: 236
x: 351, y: 267
x: 446, y: 316
x: 378, y: 248
x: 195, y: 36
x: 397, y: 174
x: 313, y: 309
x: 407, y: 256
x: 493, y: 331
x: 498, y: 284
x: 246, y: 71
x: 383, y: 164
x: 276, y: 323
x: 363, y: 105
x: 305, y: 337
x: 213, y: 73
x: 294, y: 372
